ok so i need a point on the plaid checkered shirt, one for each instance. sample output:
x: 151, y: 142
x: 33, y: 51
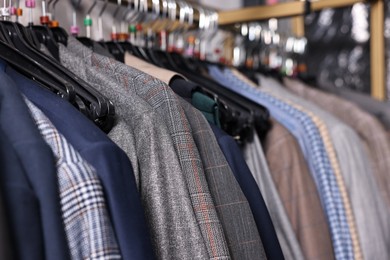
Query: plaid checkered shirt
x: 88, y: 229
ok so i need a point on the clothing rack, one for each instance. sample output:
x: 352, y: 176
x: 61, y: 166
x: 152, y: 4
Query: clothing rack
x: 299, y: 8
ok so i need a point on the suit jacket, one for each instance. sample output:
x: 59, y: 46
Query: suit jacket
x: 21, y: 205
x: 6, y: 246
x: 369, y: 129
x: 162, y: 99
x: 145, y: 138
x: 243, y: 175
x: 87, y: 224
x: 298, y: 193
x: 30, y: 184
x: 379, y: 109
x: 111, y: 163
x: 255, y: 158
x: 233, y: 208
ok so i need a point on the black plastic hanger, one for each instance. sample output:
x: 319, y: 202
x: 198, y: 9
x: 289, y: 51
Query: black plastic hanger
x: 98, y: 106
x: 35, y: 70
x: 127, y: 46
x: 233, y: 101
x: 166, y: 60
x: 152, y: 57
x: 116, y: 50
x: 88, y: 42
x: 60, y: 35
x: 45, y: 36
x: 140, y: 53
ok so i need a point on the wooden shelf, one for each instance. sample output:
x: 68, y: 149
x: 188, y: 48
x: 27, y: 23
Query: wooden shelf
x: 322, y: 4
x: 378, y: 83
x: 282, y: 10
x: 258, y: 13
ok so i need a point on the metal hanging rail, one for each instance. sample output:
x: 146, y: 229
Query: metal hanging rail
x: 299, y: 8
x: 150, y: 4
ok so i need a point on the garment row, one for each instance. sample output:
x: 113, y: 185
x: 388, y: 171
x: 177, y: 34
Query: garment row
x: 167, y: 182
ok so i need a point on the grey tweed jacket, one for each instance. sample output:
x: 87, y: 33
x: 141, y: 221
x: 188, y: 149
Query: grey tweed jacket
x: 164, y: 102
x: 142, y: 134
x: 233, y: 208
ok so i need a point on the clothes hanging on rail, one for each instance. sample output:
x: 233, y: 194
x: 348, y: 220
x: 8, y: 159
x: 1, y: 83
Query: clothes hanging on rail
x: 362, y: 190
x: 99, y: 151
x: 233, y: 209
x: 191, y: 92
x: 355, y: 164
x: 248, y: 184
x: 190, y: 169
x: 315, y: 152
x: 29, y: 181
x: 369, y: 129
x: 233, y: 233
x: 142, y: 131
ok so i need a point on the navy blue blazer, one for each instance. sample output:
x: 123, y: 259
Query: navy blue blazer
x: 251, y: 191
x: 30, y: 183
x: 111, y: 163
x: 21, y: 205
x: 6, y: 247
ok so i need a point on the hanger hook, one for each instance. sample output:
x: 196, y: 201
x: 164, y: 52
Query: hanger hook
x: 100, y: 21
x: 114, y: 35
x: 88, y: 20
x: 5, y: 11
x: 127, y: 10
x: 216, y: 20
x: 156, y: 7
x: 142, y: 9
x: 103, y: 8
x: 74, y: 29
x: 123, y: 29
x: 164, y: 12
x: 76, y: 3
x: 92, y: 7
x: 144, y: 6
x: 190, y: 14
x: 184, y: 15
x: 119, y: 3
x: 202, y: 18
x: 172, y: 6
x: 53, y: 4
x: 182, y: 12
x: 133, y: 13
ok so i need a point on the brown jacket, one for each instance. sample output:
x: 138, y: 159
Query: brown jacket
x: 298, y: 193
